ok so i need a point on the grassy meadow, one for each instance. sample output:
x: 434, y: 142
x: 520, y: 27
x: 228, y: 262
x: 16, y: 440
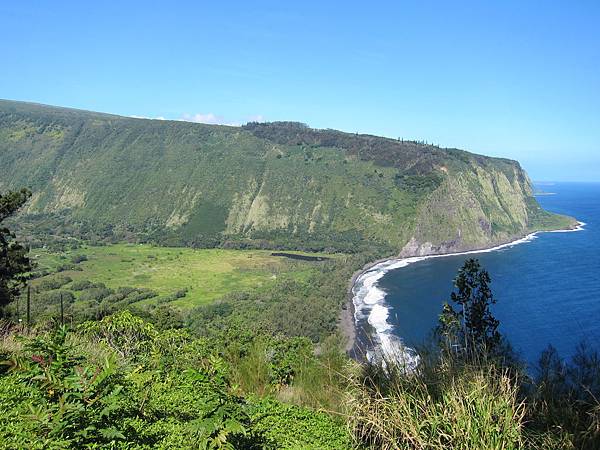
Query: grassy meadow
x: 205, y: 274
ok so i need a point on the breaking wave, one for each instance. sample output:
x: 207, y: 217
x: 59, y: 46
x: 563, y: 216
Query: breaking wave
x: 370, y: 305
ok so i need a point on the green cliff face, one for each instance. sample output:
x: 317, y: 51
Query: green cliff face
x: 279, y: 184
x: 480, y: 207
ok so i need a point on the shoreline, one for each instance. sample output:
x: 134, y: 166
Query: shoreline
x: 349, y: 319
x: 348, y: 315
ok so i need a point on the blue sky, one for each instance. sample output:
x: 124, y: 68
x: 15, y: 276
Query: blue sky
x: 519, y: 79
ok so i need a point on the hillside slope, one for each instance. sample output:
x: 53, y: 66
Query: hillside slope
x: 279, y: 184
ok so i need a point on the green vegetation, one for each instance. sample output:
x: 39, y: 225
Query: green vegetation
x: 249, y: 371
x: 281, y: 185
x: 546, y: 221
x: 473, y: 328
x: 14, y: 263
x: 479, y: 405
x: 205, y: 275
x: 119, y: 383
x: 122, y: 382
x: 440, y: 407
x: 210, y: 290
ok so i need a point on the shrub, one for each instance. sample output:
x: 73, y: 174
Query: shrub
x: 123, y: 332
x: 566, y: 398
x: 141, y: 294
x: 95, y: 294
x: 56, y: 282
x: 58, y: 396
x: 293, y: 427
x: 76, y: 259
x: 285, y: 357
x: 81, y: 285
x: 53, y: 297
x: 181, y: 293
x: 74, y: 404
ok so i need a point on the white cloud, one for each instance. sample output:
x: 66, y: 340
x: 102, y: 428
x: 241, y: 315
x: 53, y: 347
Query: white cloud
x: 209, y: 118
x: 151, y: 118
x: 257, y: 118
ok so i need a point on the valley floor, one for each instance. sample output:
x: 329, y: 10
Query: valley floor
x: 203, y: 275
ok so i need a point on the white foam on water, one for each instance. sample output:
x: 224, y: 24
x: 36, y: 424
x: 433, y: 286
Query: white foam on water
x: 369, y: 301
x: 580, y: 227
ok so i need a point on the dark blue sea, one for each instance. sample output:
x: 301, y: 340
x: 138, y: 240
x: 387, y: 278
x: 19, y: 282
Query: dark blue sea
x: 547, y: 289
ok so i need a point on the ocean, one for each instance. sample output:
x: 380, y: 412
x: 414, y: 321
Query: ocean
x: 547, y: 286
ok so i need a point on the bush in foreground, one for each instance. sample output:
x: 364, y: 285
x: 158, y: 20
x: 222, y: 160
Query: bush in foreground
x: 120, y: 383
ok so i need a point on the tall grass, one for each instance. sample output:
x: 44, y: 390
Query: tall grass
x: 250, y: 373
x: 438, y: 406
x: 478, y: 401
x: 319, y: 380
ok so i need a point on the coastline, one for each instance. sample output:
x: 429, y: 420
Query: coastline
x: 349, y: 318
x: 348, y: 315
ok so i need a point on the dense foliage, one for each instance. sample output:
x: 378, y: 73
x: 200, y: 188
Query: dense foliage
x: 472, y: 329
x: 14, y: 262
x: 264, y: 294
x: 122, y: 383
x: 308, y: 308
x: 383, y: 151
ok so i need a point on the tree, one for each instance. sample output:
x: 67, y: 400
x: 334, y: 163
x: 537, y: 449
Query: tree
x: 14, y: 263
x: 473, y: 327
x: 449, y: 328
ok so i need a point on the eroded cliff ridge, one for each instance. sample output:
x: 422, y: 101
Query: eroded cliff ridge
x: 278, y: 184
